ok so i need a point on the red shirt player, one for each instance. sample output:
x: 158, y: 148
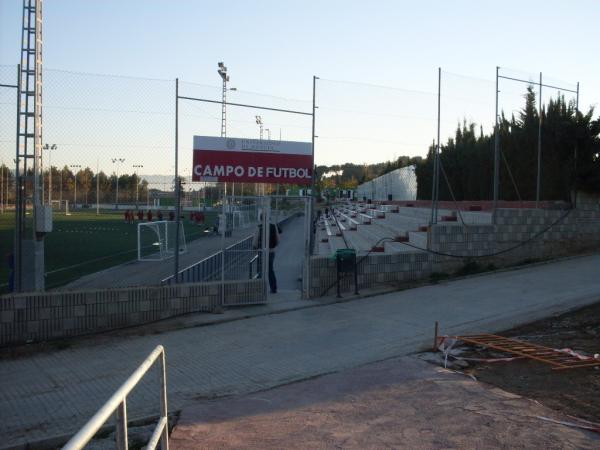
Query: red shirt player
x: 140, y: 215
x: 127, y: 216
x: 149, y: 215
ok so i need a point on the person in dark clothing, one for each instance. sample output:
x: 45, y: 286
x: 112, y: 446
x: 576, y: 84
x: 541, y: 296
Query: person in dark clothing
x: 274, y: 231
x: 140, y: 215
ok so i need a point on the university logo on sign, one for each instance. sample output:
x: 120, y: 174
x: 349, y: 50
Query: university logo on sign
x: 252, y: 160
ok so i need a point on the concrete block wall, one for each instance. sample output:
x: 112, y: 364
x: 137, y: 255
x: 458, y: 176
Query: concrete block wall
x: 572, y: 232
x: 373, y: 270
x: 51, y: 315
x: 577, y: 232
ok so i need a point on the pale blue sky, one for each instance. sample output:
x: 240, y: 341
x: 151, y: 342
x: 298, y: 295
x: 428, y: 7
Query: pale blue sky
x: 276, y: 47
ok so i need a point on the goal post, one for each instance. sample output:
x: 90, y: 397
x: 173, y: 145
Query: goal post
x: 156, y: 240
x: 60, y: 205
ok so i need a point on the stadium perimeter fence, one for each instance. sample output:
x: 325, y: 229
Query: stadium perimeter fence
x: 109, y: 148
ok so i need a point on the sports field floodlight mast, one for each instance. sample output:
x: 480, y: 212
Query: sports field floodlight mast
x: 48, y: 148
x: 259, y: 122
x: 137, y: 182
x: 118, y: 162
x: 222, y: 71
x: 75, y: 172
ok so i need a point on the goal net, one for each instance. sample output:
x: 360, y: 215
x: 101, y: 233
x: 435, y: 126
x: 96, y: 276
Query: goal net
x: 60, y: 205
x: 156, y: 240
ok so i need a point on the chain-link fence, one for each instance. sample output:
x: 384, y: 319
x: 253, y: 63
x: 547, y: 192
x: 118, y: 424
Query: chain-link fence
x: 398, y: 126
x: 109, y: 162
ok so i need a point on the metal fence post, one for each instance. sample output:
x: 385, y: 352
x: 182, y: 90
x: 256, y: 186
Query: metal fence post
x: 436, y: 174
x: 575, y: 150
x: 121, y: 431
x: 223, y: 225
x: 539, y: 155
x: 496, y: 156
x: 19, y: 210
x: 177, y: 186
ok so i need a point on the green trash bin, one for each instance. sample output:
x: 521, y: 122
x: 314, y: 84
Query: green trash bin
x: 345, y: 261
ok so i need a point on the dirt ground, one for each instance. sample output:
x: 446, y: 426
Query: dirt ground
x: 402, y: 403
x: 573, y: 392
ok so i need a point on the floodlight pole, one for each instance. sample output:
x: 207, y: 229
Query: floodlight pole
x: 135, y: 167
x: 222, y: 71
x: 118, y: 161
x: 259, y: 122
x: 75, y: 166
x: 97, y: 186
x: 539, y: 156
x: 49, y: 148
x: 496, y: 156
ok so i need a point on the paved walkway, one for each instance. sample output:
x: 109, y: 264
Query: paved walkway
x: 400, y: 403
x: 289, y: 255
x: 55, y: 393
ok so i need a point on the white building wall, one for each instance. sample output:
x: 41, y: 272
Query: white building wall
x: 400, y: 184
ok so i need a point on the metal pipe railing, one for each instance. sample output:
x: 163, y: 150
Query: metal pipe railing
x: 118, y: 402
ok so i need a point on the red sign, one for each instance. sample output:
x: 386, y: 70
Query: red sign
x: 252, y: 160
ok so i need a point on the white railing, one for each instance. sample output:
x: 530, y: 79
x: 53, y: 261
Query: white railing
x: 118, y: 402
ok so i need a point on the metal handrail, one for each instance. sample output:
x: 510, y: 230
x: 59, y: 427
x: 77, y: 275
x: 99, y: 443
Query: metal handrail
x: 246, y: 241
x: 118, y: 402
x: 251, y: 275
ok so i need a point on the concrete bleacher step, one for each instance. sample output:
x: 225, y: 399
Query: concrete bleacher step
x: 403, y: 222
x: 374, y: 234
x: 395, y: 247
x: 357, y: 242
x: 423, y: 213
x: 394, y: 230
x: 336, y: 243
x: 375, y: 213
x: 389, y: 208
x: 418, y: 239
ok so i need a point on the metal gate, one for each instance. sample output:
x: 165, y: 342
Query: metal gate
x: 246, y: 265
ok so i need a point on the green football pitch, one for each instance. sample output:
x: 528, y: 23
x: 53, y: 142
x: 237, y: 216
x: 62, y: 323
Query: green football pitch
x: 83, y: 243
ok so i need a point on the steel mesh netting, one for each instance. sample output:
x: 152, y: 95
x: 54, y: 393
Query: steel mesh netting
x: 8, y: 111
x: 8, y: 114
x: 361, y: 122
